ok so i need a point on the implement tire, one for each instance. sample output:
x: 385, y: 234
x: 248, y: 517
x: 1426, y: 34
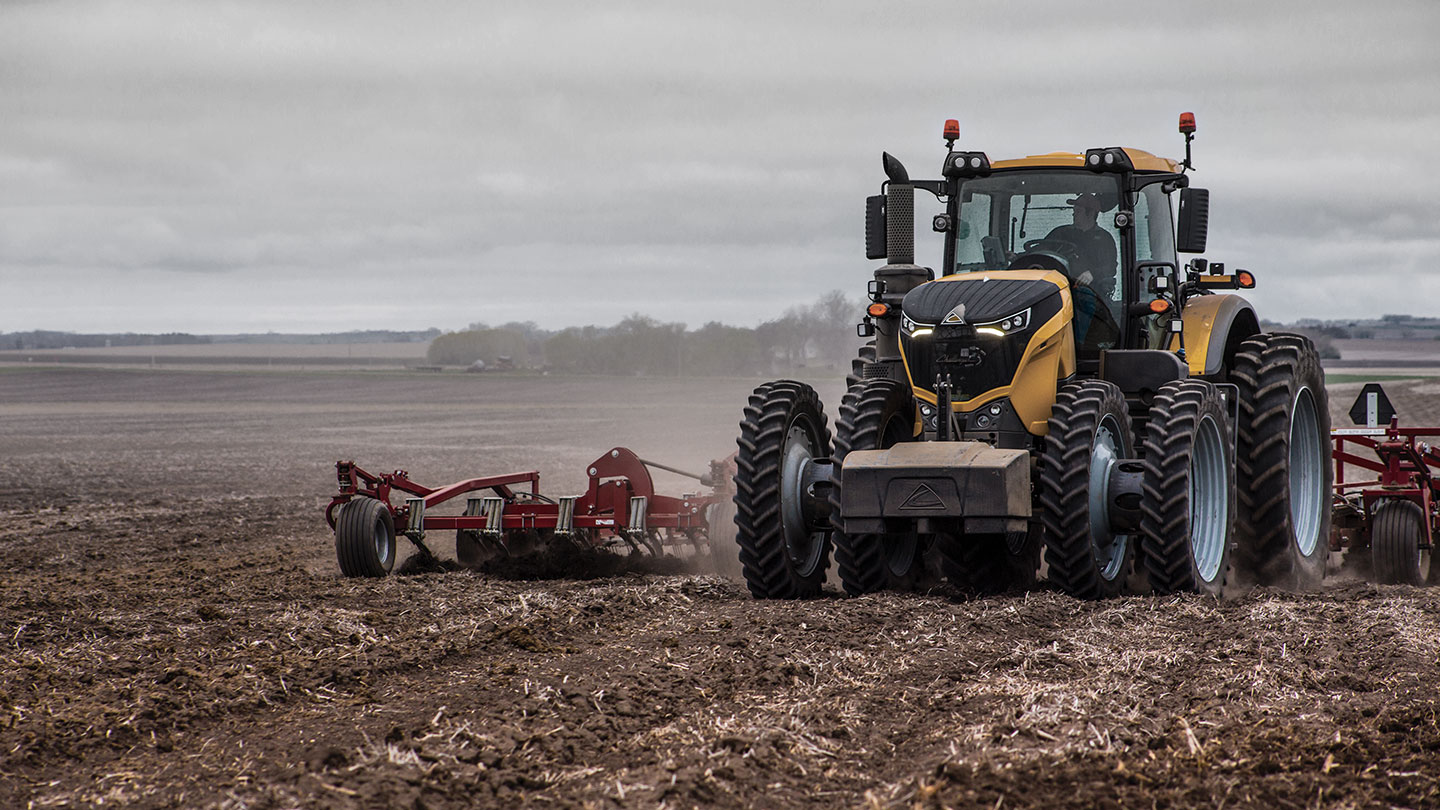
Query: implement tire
x: 781, y: 555
x: 1188, y: 514
x: 365, y: 538
x: 720, y: 535
x: 876, y: 414
x: 1089, y: 433
x: 1283, y: 460
x: 1397, y: 531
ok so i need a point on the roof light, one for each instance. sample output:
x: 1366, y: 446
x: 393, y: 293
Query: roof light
x: 1109, y: 159
x: 1187, y: 122
x: 967, y: 164
x: 878, y: 310
x: 952, y: 129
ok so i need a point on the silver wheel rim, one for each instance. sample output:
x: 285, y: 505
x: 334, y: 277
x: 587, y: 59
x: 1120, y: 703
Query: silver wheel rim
x: 383, y: 545
x: 1308, y: 458
x: 1209, y: 500
x: 1108, y: 547
x: 802, y: 545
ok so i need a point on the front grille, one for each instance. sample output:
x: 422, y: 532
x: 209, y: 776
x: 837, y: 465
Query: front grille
x: 975, y: 364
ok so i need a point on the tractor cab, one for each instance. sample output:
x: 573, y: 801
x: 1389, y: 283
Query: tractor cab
x: 1050, y: 263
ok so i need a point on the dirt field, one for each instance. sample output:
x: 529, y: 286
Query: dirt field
x: 174, y: 633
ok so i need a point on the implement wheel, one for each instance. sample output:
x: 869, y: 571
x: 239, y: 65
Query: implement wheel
x: 721, y: 534
x: 1397, y: 532
x: 876, y: 414
x: 1188, y: 514
x: 783, y: 552
x: 1089, y: 435
x: 365, y: 538
x: 1283, y: 461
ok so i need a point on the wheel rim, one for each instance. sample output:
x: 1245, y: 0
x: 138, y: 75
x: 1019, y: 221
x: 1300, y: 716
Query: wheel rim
x: 1307, y: 472
x: 804, y: 546
x: 384, y: 544
x: 1108, y: 547
x: 1209, y: 500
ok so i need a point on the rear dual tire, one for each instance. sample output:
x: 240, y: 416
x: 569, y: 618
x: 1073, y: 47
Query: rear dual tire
x: 1188, y: 513
x: 1283, y: 461
x: 985, y: 564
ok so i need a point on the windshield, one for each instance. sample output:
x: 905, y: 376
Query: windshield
x: 1060, y: 220
x: 1000, y: 214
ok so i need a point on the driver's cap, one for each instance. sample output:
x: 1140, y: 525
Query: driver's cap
x: 1090, y: 201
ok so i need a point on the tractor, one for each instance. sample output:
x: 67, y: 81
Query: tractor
x: 1066, y: 399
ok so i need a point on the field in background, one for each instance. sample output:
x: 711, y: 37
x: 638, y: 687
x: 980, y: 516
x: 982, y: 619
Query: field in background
x: 176, y: 632
x: 231, y: 354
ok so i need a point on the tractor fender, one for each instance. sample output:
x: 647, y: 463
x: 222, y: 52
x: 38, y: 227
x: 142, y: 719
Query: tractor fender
x: 1214, y: 326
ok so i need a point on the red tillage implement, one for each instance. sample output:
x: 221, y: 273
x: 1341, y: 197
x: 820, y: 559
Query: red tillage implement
x: 1393, y: 513
x: 511, y: 516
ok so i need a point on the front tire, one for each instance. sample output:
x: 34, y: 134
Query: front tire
x: 1283, y: 460
x: 876, y: 414
x: 365, y: 538
x: 782, y: 554
x: 1089, y: 434
x: 1188, y: 514
x: 1397, y: 532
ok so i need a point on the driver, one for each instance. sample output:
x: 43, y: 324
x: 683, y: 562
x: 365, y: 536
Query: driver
x: 1094, y: 268
x: 1095, y: 246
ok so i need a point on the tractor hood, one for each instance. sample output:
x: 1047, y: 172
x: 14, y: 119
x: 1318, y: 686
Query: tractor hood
x: 1004, y: 333
x: 987, y: 297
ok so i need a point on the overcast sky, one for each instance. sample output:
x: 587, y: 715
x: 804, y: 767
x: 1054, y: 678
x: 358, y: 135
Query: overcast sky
x: 323, y: 166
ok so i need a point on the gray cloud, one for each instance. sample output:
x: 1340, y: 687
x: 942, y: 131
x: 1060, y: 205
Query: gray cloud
x: 267, y: 165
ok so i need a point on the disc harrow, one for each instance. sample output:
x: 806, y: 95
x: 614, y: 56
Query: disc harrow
x: 507, y: 515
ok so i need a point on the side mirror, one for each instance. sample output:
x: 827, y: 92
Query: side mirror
x: 1194, y: 220
x: 875, y: 227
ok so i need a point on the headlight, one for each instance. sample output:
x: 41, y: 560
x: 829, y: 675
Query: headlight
x: 914, y: 329
x: 1009, y: 325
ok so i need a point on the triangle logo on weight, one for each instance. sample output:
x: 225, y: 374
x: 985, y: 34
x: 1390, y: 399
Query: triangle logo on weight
x: 923, y: 498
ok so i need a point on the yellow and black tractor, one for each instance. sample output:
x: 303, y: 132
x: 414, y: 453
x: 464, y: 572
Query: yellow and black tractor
x: 1066, y: 386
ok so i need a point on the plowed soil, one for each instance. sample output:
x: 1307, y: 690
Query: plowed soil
x: 174, y: 632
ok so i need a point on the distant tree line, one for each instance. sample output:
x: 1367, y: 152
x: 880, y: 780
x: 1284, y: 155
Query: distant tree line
x: 329, y: 338
x: 41, y: 339
x: 821, y: 335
